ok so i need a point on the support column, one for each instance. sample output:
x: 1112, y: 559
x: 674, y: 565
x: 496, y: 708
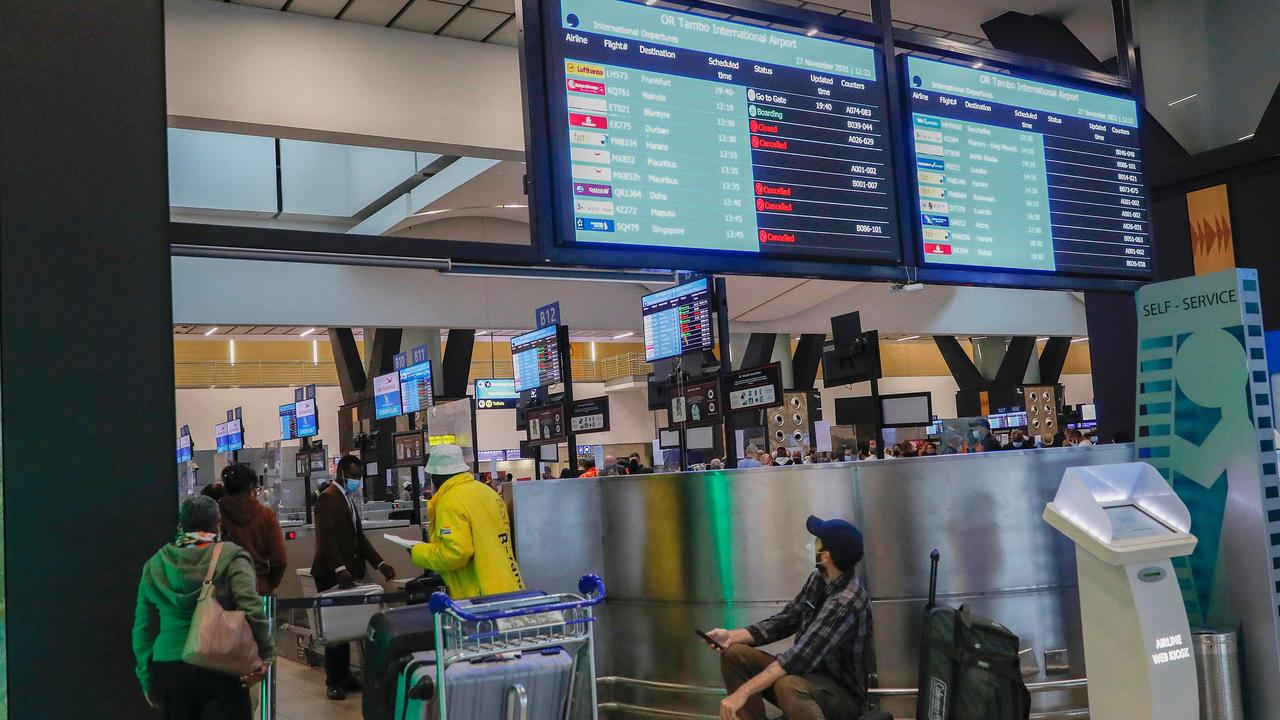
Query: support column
x: 86, y: 346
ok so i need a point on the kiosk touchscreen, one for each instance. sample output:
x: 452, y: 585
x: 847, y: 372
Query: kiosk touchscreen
x: 1127, y: 523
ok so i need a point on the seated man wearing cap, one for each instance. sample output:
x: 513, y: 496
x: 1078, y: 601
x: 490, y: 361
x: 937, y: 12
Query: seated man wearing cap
x: 821, y: 677
x: 470, y: 542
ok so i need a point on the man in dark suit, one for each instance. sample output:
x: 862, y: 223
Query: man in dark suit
x: 341, y: 553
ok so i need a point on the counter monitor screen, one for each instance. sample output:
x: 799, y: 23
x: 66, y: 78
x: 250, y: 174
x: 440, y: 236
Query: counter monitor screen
x: 683, y: 131
x: 288, y: 422
x: 536, y: 358
x: 235, y: 436
x: 1129, y: 522
x: 386, y: 396
x: 415, y: 387
x: 1018, y: 174
x: 220, y: 437
x: 305, y: 411
x: 184, y: 448
x: 677, y: 320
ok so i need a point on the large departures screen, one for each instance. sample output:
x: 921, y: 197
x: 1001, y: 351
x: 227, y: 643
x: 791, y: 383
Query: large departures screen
x: 675, y: 130
x: 1020, y: 174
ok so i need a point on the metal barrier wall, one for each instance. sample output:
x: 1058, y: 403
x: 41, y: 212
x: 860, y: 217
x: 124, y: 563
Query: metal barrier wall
x: 725, y: 548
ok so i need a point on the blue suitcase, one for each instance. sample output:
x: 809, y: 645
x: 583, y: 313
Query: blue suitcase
x: 530, y: 686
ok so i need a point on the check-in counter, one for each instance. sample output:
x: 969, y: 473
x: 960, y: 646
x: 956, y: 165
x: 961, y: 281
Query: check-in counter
x: 300, y: 548
x: 725, y: 548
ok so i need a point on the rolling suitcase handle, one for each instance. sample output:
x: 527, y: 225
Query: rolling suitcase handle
x: 934, y: 557
x: 517, y: 700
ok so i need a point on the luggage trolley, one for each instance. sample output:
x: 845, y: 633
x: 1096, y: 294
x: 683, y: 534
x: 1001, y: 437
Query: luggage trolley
x: 511, y: 626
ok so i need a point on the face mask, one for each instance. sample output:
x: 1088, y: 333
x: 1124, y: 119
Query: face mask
x: 848, y: 456
x: 1017, y: 443
x: 352, y: 485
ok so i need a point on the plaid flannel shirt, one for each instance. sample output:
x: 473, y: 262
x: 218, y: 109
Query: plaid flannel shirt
x: 832, y: 625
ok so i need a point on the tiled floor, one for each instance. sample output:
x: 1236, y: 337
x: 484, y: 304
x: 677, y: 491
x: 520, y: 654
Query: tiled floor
x: 300, y: 695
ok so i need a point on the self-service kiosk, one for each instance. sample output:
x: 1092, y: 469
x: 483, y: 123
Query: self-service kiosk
x: 1127, y: 523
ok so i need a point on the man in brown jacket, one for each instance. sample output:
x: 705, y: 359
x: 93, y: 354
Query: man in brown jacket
x: 341, y: 553
x: 251, y: 525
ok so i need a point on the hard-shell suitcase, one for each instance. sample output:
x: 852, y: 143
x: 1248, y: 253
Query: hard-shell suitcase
x: 341, y: 623
x: 394, y: 635
x: 969, y: 666
x: 531, y: 686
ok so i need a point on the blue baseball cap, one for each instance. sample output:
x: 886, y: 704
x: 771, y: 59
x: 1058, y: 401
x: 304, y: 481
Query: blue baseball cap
x: 839, y: 537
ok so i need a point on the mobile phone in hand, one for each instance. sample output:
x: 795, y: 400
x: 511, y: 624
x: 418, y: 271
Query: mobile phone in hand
x: 709, y: 640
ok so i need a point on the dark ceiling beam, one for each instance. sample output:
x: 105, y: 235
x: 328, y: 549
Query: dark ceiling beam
x: 456, y: 370
x: 346, y: 357
x: 805, y: 361
x: 1053, y: 358
x: 1013, y: 366
x: 963, y: 371
x: 759, y: 349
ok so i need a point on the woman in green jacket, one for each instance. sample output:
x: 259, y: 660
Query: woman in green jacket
x: 167, y: 595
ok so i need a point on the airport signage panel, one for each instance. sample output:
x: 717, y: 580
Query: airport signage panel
x: 1016, y: 173
x: 696, y: 403
x: 307, y: 423
x: 496, y: 393
x: 754, y: 388
x: 386, y: 396
x: 588, y: 416
x: 546, y: 424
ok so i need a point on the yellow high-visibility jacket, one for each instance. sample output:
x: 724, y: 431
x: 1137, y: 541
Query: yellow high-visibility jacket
x: 470, y: 543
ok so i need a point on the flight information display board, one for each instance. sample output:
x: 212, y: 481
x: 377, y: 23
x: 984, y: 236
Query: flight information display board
x: 536, y: 358
x: 677, y: 320
x: 1021, y: 174
x: 496, y: 394
x: 288, y: 422
x: 416, y: 391
x: 676, y: 130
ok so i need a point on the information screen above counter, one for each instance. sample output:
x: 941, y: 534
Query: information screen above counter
x: 675, y: 130
x: 677, y: 320
x: 535, y: 356
x: 1019, y: 174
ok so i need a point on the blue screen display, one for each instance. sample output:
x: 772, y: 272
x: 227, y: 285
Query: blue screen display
x: 496, y: 393
x: 386, y: 396
x: 184, y: 448
x: 305, y: 414
x: 536, y: 358
x: 677, y: 320
x: 676, y: 130
x: 220, y: 437
x: 235, y: 436
x: 415, y: 387
x: 288, y: 422
x: 1021, y: 174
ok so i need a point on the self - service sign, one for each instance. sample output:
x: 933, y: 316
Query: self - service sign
x: 754, y: 388
x: 588, y: 416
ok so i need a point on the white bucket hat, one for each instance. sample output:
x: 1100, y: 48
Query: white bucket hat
x: 446, y: 460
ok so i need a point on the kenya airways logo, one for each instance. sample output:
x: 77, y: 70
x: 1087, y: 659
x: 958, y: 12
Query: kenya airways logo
x: 585, y: 86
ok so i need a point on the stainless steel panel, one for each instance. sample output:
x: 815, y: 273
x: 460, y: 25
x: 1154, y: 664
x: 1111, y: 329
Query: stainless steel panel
x: 731, y: 535
x: 724, y: 548
x: 300, y: 551
x: 983, y: 511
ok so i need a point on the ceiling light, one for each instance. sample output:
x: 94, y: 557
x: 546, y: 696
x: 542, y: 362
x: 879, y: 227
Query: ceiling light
x: 623, y: 335
x: 1041, y: 339
x: 811, y: 33
x: 593, y: 352
x: 1175, y: 102
x: 909, y: 337
x: 650, y: 2
x: 1083, y: 339
x: 231, y: 351
x: 977, y: 65
x: 315, y: 352
x: 1246, y: 137
x: 513, y: 205
x: 211, y: 331
x: 481, y: 332
x: 978, y: 337
x: 307, y: 332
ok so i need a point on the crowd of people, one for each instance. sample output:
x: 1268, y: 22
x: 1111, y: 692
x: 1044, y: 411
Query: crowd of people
x: 229, y: 550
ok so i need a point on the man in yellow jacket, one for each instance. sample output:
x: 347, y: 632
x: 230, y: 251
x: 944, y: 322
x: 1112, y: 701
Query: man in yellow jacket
x: 470, y: 542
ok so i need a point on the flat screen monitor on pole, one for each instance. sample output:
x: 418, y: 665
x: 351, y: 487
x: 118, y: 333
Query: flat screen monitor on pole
x: 1017, y: 173
x: 416, y: 392
x: 677, y: 320
x: 386, y: 395
x: 220, y: 437
x: 855, y: 355
x: 536, y: 358
x: 308, y: 425
x: 235, y: 435
x: 288, y: 422
x: 184, y: 448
